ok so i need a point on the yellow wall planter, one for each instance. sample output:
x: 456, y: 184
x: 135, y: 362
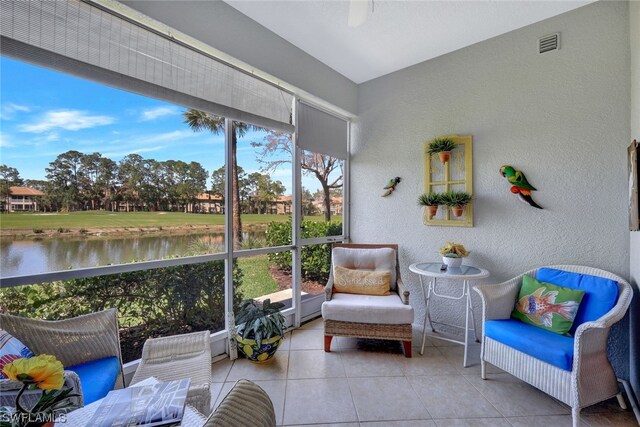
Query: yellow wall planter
x: 454, y: 175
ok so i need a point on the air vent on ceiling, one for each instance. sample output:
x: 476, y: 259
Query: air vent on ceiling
x: 549, y: 43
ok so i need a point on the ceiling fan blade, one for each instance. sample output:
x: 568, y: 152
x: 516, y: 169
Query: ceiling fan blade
x: 357, y: 12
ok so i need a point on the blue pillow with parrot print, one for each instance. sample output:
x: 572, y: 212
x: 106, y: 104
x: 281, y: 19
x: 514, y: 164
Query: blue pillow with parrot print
x: 547, y: 306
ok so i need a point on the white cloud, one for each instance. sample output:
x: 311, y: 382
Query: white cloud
x: 156, y: 113
x: 4, y: 143
x: 8, y: 111
x: 67, y: 120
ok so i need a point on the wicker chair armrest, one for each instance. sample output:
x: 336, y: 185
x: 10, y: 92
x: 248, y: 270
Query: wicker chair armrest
x: 498, y: 300
x: 403, y: 292
x: 157, y: 350
x: 328, y: 289
x: 244, y: 398
x: 592, y: 337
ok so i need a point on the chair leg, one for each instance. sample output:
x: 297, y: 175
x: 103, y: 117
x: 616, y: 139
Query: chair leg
x: 575, y: 415
x: 483, y: 369
x: 621, y: 401
x: 407, y: 348
x: 327, y: 343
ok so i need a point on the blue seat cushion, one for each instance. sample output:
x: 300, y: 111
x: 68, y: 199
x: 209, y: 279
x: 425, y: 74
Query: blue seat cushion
x: 547, y: 346
x: 600, y: 294
x: 97, y: 377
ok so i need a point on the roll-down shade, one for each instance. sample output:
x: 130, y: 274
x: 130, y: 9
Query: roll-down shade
x: 81, y: 39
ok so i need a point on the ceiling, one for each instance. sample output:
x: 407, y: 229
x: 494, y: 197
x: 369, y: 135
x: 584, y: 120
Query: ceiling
x: 397, y: 34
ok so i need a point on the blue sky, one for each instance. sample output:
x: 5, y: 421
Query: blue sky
x: 44, y: 113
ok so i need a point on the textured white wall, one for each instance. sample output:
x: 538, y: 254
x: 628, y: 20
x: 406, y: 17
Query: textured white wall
x: 561, y: 117
x: 634, y: 328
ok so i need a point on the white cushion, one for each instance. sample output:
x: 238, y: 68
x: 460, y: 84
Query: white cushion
x: 387, y: 310
x: 378, y: 259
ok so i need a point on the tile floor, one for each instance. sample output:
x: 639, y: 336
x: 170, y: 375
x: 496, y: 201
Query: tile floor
x: 371, y: 383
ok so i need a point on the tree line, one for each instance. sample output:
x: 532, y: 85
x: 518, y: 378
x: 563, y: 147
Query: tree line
x: 78, y: 181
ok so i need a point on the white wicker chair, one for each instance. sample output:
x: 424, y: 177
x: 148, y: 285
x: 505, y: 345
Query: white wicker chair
x: 176, y: 357
x: 591, y: 379
x: 72, y: 341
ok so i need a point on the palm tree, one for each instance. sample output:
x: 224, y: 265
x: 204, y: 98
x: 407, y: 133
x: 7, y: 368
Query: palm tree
x: 200, y: 121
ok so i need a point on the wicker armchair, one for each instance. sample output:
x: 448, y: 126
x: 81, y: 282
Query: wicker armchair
x: 591, y: 379
x: 246, y: 404
x: 176, y: 357
x: 72, y: 341
x: 337, y: 308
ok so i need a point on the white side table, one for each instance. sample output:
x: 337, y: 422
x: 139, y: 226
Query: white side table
x: 466, y: 273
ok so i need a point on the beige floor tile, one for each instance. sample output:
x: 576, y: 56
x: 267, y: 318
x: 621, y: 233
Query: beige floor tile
x: 215, y: 393
x: 286, y: 342
x: 451, y: 396
x: 514, y: 398
x: 432, y: 362
x: 473, y: 422
x: 544, y: 421
x: 326, y: 425
x: 313, y: 324
x: 610, y: 419
x: 359, y: 363
x: 455, y: 356
x: 307, y: 339
x: 220, y: 370
x: 314, y: 364
x: 326, y: 400
x: 386, y: 398
x: 274, y: 388
x: 403, y: 423
x: 274, y: 369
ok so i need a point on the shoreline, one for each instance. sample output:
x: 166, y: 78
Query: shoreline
x: 106, y: 232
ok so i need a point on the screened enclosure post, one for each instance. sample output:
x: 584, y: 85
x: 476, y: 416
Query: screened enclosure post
x: 296, y: 222
x: 228, y: 222
x: 346, y: 189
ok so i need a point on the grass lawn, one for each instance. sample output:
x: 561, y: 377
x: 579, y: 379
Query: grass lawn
x: 103, y: 219
x: 257, y: 280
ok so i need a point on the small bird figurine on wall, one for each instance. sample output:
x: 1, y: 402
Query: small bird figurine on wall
x: 520, y: 185
x: 391, y: 186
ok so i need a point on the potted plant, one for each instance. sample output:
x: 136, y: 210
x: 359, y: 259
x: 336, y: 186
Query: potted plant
x: 260, y: 329
x: 431, y: 201
x: 443, y: 146
x: 452, y: 254
x: 456, y: 200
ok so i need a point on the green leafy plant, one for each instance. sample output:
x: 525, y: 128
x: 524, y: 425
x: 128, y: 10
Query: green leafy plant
x: 316, y: 259
x: 38, y: 230
x: 430, y: 199
x: 456, y: 198
x: 260, y: 320
x: 441, y: 144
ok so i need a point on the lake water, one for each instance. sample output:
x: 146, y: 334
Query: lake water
x: 25, y: 257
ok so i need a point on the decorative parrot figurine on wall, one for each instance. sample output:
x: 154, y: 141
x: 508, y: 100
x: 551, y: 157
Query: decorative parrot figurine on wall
x: 391, y: 186
x: 520, y: 185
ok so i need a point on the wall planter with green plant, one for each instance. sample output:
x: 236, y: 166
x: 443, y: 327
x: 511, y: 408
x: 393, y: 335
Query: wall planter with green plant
x: 430, y: 201
x: 457, y: 201
x: 443, y: 147
x: 260, y: 329
x: 456, y: 175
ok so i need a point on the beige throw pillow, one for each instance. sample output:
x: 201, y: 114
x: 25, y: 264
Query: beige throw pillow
x: 361, y: 282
